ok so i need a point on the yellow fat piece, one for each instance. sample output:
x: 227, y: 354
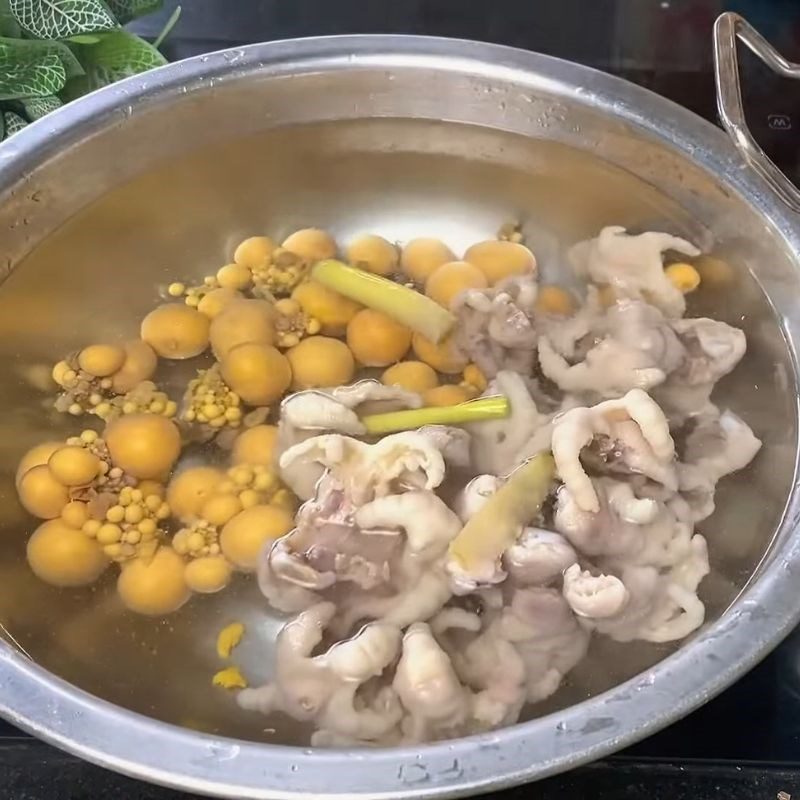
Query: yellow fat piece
x: 230, y: 678
x: 229, y: 637
x: 683, y: 277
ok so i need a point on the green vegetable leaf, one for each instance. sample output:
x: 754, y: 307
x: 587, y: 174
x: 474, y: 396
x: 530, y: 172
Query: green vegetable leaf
x: 29, y: 71
x: 85, y: 38
x: 126, y: 10
x: 8, y: 25
x: 61, y: 19
x: 72, y: 65
x: 31, y: 68
x: 70, y: 61
x: 37, y: 107
x: 13, y: 123
x: 119, y: 55
x: 76, y: 87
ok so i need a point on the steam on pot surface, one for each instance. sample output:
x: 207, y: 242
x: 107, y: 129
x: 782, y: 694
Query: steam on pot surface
x: 372, y: 478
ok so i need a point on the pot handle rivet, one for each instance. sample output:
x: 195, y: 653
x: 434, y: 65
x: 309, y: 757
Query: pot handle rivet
x: 728, y: 28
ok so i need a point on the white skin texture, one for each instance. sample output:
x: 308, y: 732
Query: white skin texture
x: 633, y: 265
x: 314, y: 411
x: 636, y: 349
x: 496, y: 326
x: 635, y: 420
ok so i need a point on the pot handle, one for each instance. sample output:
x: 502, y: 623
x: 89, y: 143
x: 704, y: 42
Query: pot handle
x: 728, y: 28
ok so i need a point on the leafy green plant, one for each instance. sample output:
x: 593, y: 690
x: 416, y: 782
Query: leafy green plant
x: 52, y: 51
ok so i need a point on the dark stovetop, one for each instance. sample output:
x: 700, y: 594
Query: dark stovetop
x: 745, y: 744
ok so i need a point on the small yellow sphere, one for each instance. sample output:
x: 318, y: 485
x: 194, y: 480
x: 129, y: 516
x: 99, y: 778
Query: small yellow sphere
x: 117, y: 513
x: 195, y: 541
x: 255, y: 445
x: 143, y: 445
x: 500, y: 259
x: 443, y: 357
x: 75, y: 514
x: 332, y: 310
x: 446, y: 395
x: 420, y: 257
x: 134, y: 514
x: 241, y: 322
x: 243, y: 537
x: 311, y: 244
x: 59, y: 372
x: 139, y: 365
x: 220, y: 508
x: 258, y: 373
x: 217, y: 300
x: 287, y: 307
x: 555, y: 300
x: 101, y: 360
x: 241, y: 475
x: 74, y: 465
x: 109, y: 533
x: 249, y: 498
x: 320, y: 361
x: 234, y: 276
x: 63, y: 556
x: 376, y: 340
x: 41, y: 494
x: 374, y: 254
x: 413, y: 376
x: 445, y: 283
x: 175, y: 330
x: 189, y: 489
x: 208, y: 574
x: 264, y: 481
x: 38, y: 454
x: 684, y: 277
x: 254, y: 252
x: 155, y: 587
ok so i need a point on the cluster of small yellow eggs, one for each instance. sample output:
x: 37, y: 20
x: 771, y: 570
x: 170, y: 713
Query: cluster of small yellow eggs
x: 117, y: 507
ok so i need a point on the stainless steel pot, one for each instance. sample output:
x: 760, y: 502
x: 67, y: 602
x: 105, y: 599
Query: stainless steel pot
x: 154, y: 178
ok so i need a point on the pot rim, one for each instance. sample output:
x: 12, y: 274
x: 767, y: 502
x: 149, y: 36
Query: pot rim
x: 139, y: 746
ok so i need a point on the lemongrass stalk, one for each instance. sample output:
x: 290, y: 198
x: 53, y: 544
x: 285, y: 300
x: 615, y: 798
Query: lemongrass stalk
x: 412, y: 309
x: 489, y: 532
x: 484, y: 408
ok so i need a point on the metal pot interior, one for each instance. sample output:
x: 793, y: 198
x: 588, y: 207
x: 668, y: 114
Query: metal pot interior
x: 180, y: 192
